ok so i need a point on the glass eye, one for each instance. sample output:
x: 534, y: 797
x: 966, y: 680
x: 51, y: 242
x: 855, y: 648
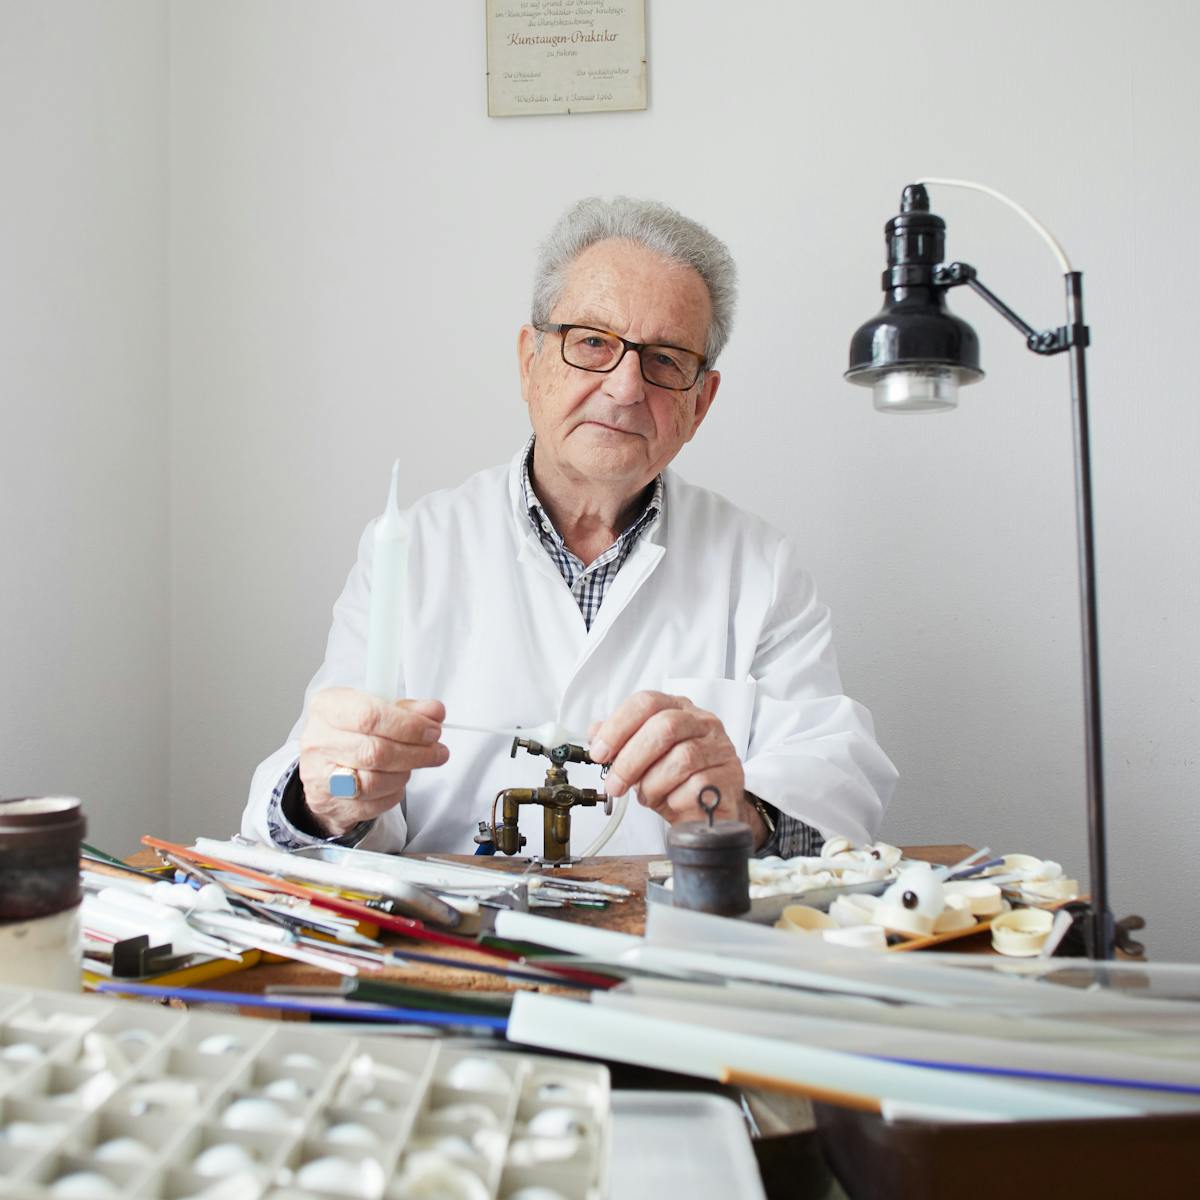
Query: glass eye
x: 918, y: 890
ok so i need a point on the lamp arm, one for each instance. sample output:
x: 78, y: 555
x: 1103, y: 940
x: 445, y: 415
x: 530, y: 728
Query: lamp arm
x: 1046, y: 341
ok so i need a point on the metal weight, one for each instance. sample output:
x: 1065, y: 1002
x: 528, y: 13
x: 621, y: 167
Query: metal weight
x: 710, y: 861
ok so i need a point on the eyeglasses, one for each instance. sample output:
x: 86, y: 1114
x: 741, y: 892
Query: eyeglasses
x: 599, y: 350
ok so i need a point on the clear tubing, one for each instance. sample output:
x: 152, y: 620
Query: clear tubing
x: 549, y: 733
x: 611, y: 827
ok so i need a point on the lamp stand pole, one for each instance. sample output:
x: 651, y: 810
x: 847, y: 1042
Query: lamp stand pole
x: 1101, y: 931
x: 1073, y: 337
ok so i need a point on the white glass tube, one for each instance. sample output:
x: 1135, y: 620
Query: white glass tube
x: 589, y: 1029
x: 387, y: 596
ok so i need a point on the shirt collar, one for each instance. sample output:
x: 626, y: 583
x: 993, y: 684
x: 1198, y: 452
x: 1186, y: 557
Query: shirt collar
x: 540, y: 521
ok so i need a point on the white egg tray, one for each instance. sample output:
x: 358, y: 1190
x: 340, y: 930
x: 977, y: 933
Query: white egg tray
x: 232, y: 1108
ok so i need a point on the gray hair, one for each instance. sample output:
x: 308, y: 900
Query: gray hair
x: 650, y: 224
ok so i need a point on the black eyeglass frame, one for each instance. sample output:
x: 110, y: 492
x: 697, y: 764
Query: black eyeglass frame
x: 563, y: 329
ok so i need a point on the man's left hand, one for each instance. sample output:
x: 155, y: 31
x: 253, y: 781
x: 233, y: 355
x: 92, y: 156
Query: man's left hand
x: 669, y: 749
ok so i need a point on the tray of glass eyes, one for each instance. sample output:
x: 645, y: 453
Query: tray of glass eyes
x: 766, y: 910
x: 817, y: 881
x: 103, y: 1098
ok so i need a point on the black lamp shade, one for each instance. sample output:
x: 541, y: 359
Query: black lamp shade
x: 915, y: 333
x: 914, y: 340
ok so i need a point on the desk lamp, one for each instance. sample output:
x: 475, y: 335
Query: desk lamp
x: 915, y: 355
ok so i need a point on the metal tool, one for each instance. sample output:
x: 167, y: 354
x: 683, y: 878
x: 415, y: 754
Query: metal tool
x: 403, y: 925
x: 408, y: 899
x: 490, y: 877
x: 135, y: 958
x: 557, y: 797
x: 295, y: 922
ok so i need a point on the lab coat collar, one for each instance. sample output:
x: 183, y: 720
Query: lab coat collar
x: 637, y: 568
x: 529, y: 549
x: 528, y: 546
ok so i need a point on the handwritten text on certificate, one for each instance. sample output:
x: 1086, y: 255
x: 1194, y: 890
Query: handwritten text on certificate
x: 565, y: 56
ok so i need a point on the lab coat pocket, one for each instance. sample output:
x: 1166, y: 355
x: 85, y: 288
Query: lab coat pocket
x: 731, y: 699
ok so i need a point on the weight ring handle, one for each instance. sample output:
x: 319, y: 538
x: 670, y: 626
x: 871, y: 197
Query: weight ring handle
x: 708, y: 812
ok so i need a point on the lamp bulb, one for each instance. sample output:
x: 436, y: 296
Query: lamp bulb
x: 919, y: 389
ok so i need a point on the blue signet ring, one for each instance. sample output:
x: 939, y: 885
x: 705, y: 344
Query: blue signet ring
x: 343, y: 783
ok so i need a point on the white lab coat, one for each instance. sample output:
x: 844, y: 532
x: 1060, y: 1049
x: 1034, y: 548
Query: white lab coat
x: 710, y: 604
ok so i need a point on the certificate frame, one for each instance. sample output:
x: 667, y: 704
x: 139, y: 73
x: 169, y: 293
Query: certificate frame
x: 565, y: 56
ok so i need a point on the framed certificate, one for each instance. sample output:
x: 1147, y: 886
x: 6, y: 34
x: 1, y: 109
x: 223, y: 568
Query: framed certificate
x: 565, y: 56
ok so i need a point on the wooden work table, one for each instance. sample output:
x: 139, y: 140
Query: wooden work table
x: 628, y: 916
x: 798, y: 1147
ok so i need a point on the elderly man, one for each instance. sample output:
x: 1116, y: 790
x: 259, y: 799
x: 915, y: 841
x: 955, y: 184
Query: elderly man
x: 587, y: 583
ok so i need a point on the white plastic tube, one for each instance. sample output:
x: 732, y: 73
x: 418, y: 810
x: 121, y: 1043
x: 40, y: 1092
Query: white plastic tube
x: 387, y: 595
x: 1055, y: 247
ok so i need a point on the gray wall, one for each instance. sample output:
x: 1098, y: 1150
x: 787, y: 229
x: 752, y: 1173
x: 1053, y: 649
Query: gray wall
x: 350, y: 244
x: 84, y: 532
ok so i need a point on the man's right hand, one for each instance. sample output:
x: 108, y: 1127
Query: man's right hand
x: 384, y: 743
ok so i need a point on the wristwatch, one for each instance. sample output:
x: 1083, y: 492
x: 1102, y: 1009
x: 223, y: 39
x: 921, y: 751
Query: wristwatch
x: 768, y: 812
